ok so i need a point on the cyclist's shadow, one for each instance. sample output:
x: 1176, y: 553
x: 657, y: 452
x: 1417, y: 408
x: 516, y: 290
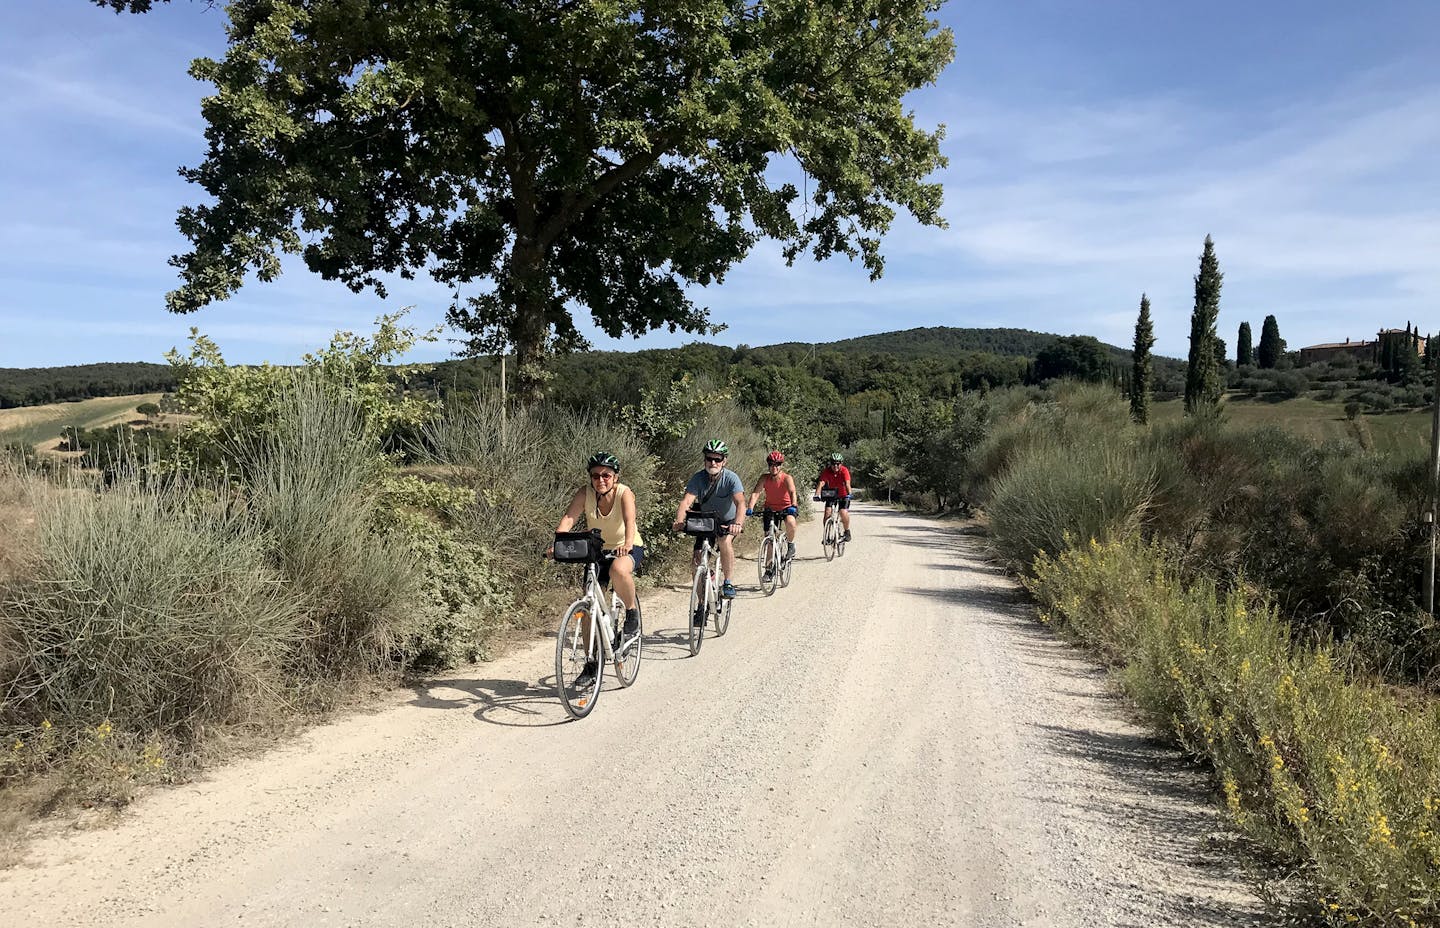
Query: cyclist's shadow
x: 511, y: 703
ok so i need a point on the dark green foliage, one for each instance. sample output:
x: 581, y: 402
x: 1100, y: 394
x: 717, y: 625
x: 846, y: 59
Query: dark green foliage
x: 1202, y: 379
x: 1244, y: 347
x: 37, y: 386
x: 131, y: 6
x: 1140, y: 375
x: 1272, y: 346
x: 944, y: 341
x: 550, y: 155
x: 1073, y: 357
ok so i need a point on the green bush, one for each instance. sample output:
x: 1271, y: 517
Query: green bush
x: 313, y: 484
x: 151, y: 606
x: 1055, y: 492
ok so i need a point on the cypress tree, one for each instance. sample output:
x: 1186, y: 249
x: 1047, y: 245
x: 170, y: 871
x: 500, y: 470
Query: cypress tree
x: 1244, y: 347
x: 1202, y: 378
x: 1272, y: 346
x: 1140, y: 370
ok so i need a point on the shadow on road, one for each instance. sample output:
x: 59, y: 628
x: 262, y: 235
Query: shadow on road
x: 510, y: 703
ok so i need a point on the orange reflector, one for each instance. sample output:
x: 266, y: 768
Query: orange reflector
x: 581, y: 702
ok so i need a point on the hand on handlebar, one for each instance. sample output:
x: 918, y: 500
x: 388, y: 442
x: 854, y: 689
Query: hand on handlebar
x: 749, y: 511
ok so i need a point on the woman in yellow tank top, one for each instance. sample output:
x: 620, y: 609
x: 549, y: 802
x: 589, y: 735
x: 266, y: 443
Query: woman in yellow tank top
x: 609, y: 505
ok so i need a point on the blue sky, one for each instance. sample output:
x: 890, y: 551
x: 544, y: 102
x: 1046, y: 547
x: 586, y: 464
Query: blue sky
x: 1092, y: 147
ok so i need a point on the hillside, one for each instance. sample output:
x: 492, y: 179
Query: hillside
x: 42, y: 425
x: 942, y: 341
x: 36, y: 386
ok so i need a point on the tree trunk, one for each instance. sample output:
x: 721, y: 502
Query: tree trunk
x: 529, y: 330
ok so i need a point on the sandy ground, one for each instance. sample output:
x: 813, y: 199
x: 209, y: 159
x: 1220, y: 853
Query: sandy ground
x: 892, y: 740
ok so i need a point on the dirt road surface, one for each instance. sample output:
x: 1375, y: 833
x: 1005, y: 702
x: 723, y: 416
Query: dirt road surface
x: 892, y: 740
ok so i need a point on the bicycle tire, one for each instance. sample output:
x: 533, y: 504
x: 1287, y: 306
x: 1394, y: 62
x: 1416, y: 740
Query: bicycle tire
x: 720, y: 614
x: 627, y: 659
x: 840, y: 542
x: 768, y: 566
x: 828, y: 540
x: 695, y: 632
x: 571, y: 654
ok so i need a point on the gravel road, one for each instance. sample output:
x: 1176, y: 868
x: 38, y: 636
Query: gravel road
x: 892, y: 740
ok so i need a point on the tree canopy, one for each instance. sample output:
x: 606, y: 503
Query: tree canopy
x: 551, y: 155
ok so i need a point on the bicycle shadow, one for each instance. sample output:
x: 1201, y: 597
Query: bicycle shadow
x: 507, y: 703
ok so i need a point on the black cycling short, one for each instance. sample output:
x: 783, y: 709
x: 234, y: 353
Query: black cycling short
x: 774, y: 515
x: 843, y: 502
x: 721, y: 530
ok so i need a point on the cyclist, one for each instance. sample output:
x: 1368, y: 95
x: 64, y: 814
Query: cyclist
x: 609, y: 505
x: 718, y: 491
x: 780, y: 497
x: 837, y: 477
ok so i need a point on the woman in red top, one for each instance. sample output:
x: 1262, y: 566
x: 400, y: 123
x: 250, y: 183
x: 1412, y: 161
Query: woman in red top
x: 780, y: 496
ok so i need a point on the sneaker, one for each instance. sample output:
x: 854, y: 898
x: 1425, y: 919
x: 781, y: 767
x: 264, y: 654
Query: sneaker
x: 790, y: 551
x: 847, y: 535
x: 769, y: 575
x: 587, y: 676
x: 632, y: 623
x: 698, y: 620
x: 728, y: 590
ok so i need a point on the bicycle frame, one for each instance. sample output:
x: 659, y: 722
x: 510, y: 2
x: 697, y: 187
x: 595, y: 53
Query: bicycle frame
x: 601, y: 609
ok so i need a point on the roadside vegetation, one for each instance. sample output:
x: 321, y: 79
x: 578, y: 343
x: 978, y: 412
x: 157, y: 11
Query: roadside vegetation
x: 1256, y: 591
x: 304, y: 535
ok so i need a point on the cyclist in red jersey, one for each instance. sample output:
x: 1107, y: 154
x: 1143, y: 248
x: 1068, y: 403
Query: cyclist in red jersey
x: 837, y: 477
x: 780, y: 496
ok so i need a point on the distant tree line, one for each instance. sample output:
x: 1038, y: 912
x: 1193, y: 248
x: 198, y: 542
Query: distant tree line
x: 39, y: 385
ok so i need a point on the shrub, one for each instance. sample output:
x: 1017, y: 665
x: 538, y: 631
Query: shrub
x: 312, y: 483
x: 150, y: 606
x: 1326, y: 771
x: 1053, y: 492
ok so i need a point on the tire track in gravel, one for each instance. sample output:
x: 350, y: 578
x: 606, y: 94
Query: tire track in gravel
x: 891, y: 740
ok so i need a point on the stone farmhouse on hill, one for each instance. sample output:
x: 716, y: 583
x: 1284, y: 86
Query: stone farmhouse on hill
x: 1359, y: 350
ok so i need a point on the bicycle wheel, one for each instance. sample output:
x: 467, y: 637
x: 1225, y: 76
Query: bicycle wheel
x: 627, y: 659
x: 698, y: 606
x: 572, y: 652
x: 787, y: 567
x: 827, y: 542
x: 768, y: 566
x: 839, y: 541
x: 720, y: 614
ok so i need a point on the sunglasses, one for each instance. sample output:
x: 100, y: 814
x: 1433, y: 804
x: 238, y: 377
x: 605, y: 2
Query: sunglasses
x: 775, y: 464
x: 710, y: 460
x: 602, y: 475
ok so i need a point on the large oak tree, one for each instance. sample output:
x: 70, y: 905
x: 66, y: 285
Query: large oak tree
x: 538, y: 155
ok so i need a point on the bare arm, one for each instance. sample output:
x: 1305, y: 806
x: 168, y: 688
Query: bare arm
x: 685, y: 503
x: 739, y: 525
x: 577, y: 506
x: 627, y: 513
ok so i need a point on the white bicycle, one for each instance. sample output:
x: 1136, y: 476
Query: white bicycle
x: 774, y: 561
x: 832, y: 541
x: 588, y: 633
x: 706, y: 603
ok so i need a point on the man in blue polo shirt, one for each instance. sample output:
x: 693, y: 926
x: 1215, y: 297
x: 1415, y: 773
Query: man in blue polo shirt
x: 718, y: 491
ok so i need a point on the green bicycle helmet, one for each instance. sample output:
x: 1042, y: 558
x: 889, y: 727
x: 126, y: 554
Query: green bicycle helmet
x: 837, y: 458
x: 716, y: 446
x: 604, y: 459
